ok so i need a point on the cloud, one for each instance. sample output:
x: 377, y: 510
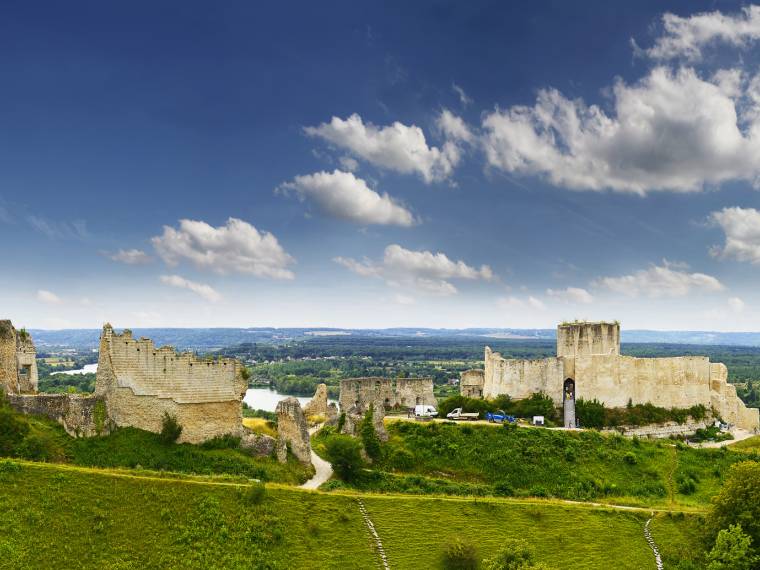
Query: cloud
x: 464, y: 99
x: 673, y: 130
x: 342, y: 195
x: 130, y: 256
x: 666, y: 280
x: 571, y: 295
x: 741, y: 227
x: 403, y: 299
x: 397, y: 147
x: 236, y: 247
x: 684, y: 37
x: 48, y: 297
x: 511, y: 303
x: 59, y: 229
x: 423, y: 270
x: 454, y: 128
x: 201, y: 289
x: 736, y: 304
x: 348, y: 163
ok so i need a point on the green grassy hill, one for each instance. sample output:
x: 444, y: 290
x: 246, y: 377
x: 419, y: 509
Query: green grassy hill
x: 461, y: 459
x: 58, y: 516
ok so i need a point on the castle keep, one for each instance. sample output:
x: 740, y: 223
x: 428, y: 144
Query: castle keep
x: 589, y: 365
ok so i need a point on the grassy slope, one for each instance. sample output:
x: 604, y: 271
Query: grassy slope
x: 134, y: 448
x: 470, y: 459
x: 70, y: 517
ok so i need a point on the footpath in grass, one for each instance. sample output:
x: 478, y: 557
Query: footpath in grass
x: 54, y: 516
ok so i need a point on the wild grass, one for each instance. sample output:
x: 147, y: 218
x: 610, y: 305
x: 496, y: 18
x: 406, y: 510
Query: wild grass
x: 54, y: 516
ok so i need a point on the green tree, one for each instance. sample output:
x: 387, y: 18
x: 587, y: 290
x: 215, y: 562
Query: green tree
x: 738, y: 502
x: 732, y: 551
x: 344, y: 452
x: 590, y: 413
x: 369, y: 436
x: 170, y: 429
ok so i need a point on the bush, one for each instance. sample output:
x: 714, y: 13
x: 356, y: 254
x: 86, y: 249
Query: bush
x: 630, y: 458
x: 590, y: 413
x: 170, y: 429
x: 460, y: 555
x: 369, y: 435
x: 226, y: 441
x: 255, y: 494
x: 515, y: 554
x: 731, y: 551
x: 13, y: 429
x: 738, y: 501
x: 344, y: 452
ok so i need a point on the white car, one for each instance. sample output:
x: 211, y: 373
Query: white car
x: 423, y: 411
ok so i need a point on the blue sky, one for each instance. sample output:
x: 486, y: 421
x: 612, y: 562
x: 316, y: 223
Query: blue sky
x: 380, y: 164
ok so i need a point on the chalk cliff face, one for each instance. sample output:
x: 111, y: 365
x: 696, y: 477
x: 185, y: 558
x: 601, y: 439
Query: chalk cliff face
x: 140, y: 382
x: 589, y: 354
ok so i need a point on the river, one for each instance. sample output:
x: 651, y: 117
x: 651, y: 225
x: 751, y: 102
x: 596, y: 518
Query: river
x: 266, y: 399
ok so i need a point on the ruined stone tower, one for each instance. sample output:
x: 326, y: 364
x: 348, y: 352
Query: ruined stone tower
x: 18, y: 364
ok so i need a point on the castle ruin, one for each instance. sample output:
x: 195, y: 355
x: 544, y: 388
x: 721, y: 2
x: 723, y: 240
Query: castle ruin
x: 136, y: 384
x: 589, y: 365
x: 385, y: 393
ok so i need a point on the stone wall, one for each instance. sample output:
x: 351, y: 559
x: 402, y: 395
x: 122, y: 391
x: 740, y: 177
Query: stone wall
x: 292, y: 430
x: 80, y: 415
x: 471, y: 383
x: 318, y: 404
x: 660, y: 431
x: 386, y: 393
x: 591, y: 359
x: 18, y: 360
x: 585, y: 339
x: 140, y: 382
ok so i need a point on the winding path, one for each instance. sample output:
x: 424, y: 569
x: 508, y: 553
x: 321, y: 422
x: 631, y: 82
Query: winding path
x: 323, y: 470
x: 652, y: 545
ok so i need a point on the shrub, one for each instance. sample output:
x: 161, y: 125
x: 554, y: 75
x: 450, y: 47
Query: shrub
x: 738, y: 501
x: 170, y: 429
x: 460, y: 555
x: 226, y: 441
x: 515, y: 554
x: 369, y: 435
x: 255, y: 494
x: 590, y: 413
x: 731, y: 551
x: 344, y: 452
x: 13, y: 429
x: 686, y: 485
x: 341, y: 422
x: 630, y: 458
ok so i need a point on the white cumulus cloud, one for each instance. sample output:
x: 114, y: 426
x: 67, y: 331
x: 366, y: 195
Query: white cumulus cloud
x: 666, y: 280
x: 130, y: 256
x: 736, y: 304
x: 48, y: 297
x: 342, y: 195
x: 236, y: 247
x: 741, y: 227
x: 512, y: 302
x: 673, y: 130
x: 423, y: 270
x: 571, y: 295
x: 685, y: 37
x: 201, y: 289
x: 396, y: 147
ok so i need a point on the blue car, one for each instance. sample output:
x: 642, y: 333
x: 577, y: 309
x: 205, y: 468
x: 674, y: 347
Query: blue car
x: 500, y: 416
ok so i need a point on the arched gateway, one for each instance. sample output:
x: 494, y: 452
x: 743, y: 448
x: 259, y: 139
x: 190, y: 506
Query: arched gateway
x: 568, y: 403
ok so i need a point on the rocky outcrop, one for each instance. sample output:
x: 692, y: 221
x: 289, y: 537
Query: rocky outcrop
x: 332, y: 414
x: 292, y: 430
x: 258, y: 444
x: 318, y: 404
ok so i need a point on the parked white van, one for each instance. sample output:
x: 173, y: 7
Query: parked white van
x: 423, y: 411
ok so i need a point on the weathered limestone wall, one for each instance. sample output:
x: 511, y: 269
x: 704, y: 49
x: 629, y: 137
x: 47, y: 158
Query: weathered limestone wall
x: 293, y: 430
x: 585, y: 339
x: 18, y: 360
x: 81, y: 416
x: 140, y: 382
x: 659, y: 431
x: 318, y: 404
x: 589, y: 355
x: 8, y: 370
x: 471, y: 383
x: 521, y: 378
x: 384, y: 392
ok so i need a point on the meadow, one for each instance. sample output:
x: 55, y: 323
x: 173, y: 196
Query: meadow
x: 63, y: 516
x: 457, y: 459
